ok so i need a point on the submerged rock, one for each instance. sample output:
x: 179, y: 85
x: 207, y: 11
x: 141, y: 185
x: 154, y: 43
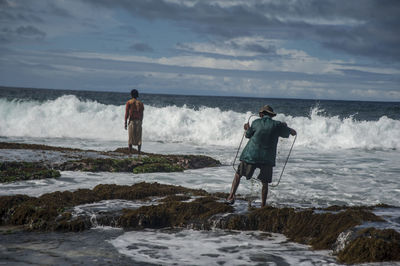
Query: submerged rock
x: 16, y: 171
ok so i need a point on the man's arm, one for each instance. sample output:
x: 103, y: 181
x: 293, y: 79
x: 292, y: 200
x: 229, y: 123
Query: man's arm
x: 291, y: 131
x: 249, y: 130
x: 142, y: 111
x: 126, y: 114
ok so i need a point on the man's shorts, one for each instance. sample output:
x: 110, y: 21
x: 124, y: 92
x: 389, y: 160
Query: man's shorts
x: 247, y: 170
x: 135, y: 132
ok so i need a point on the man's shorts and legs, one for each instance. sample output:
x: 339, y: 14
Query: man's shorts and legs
x: 135, y: 134
x: 247, y: 170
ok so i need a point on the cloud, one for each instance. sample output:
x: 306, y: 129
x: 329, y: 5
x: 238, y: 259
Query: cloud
x: 21, y: 33
x: 242, y: 48
x: 323, y: 49
x: 102, y: 71
x: 141, y: 47
x: 30, y: 31
x: 369, y: 28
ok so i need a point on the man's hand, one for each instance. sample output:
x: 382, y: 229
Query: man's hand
x: 293, y: 132
x: 126, y: 126
x: 246, y: 126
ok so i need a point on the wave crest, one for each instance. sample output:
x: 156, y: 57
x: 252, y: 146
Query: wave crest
x: 67, y: 116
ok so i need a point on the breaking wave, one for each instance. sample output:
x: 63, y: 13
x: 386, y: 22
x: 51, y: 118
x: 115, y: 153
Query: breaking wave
x: 69, y: 117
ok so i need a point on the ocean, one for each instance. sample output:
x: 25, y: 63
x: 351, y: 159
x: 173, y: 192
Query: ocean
x: 346, y: 153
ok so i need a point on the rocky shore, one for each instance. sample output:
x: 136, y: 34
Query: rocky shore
x: 337, y: 229
x: 15, y: 171
x: 66, y: 159
x: 344, y: 230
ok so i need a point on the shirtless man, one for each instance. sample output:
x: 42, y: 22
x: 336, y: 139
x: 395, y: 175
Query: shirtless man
x: 134, y: 112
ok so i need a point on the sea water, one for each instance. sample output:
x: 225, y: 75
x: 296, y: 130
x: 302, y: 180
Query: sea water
x: 346, y: 153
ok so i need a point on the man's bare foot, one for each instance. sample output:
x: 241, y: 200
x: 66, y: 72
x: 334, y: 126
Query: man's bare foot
x: 230, y: 201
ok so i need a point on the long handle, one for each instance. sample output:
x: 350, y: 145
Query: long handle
x: 287, y: 159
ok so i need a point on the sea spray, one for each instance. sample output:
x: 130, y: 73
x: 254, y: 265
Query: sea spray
x: 70, y: 117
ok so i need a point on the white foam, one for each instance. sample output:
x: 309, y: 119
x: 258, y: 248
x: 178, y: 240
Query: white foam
x: 69, y: 117
x: 188, y: 247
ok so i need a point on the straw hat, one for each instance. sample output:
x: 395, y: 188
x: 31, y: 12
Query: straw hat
x: 267, y: 109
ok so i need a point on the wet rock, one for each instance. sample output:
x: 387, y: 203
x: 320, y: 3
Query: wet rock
x: 372, y: 245
x: 343, y: 240
x: 171, y: 214
x: 16, y: 171
x: 332, y: 228
x: 100, y: 165
x: 176, y: 198
x: 50, y: 211
x: 317, y: 229
x: 67, y: 159
x: 148, y: 164
x: 25, y: 146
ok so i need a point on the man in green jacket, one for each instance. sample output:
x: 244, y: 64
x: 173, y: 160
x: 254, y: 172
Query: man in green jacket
x: 260, y: 151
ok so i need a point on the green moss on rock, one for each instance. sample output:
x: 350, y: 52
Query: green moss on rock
x: 16, y: 171
x: 145, y: 164
x: 157, y: 167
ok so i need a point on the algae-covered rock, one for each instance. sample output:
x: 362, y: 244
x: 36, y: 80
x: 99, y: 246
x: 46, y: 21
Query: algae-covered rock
x: 174, y: 213
x: 137, y: 165
x: 157, y: 167
x: 191, y: 208
x: 25, y: 146
x: 320, y: 230
x: 100, y: 165
x: 176, y: 198
x: 372, y: 245
x: 119, y: 160
x: 15, y: 171
x: 44, y: 212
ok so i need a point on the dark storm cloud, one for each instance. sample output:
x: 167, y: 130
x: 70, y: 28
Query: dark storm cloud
x: 141, y: 47
x: 369, y: 28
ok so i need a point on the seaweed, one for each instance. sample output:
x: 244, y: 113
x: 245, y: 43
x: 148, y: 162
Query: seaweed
x: 52, y: 211
x: 372, y: 245
x: 16, y: 171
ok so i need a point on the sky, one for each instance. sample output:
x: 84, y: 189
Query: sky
x: 307, y: 49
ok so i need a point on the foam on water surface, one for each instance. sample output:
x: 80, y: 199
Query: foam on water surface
x: 217, y: 247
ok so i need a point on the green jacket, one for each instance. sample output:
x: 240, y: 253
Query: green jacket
x: 263, y: 134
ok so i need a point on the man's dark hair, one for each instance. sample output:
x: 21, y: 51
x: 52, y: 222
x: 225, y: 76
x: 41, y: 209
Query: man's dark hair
x: 134, y: 93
